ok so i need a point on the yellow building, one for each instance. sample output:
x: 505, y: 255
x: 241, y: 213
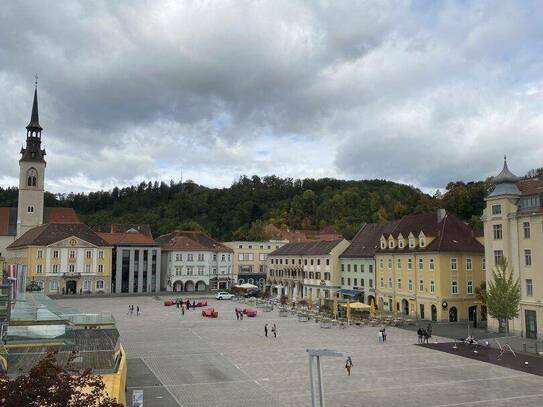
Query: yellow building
x: 428, y: 267
x: 63, y: 258
x: 250, y: 262
x: 512, y: 219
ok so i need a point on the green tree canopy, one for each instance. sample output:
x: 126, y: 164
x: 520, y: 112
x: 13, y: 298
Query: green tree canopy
x: 503, y: 294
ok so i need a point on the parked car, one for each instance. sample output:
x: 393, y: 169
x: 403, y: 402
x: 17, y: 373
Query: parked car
x: 210, y: 313
x: 33, y: 286
x: 221, y: 295
x: 252, y: 293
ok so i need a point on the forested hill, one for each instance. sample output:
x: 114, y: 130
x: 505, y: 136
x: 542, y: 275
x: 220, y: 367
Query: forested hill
x: 238, y: 211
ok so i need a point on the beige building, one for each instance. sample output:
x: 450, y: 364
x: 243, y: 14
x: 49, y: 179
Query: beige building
x: 513, y: 221
x: 250, y: 261
x: 428, y: 267
x: 309, y: 270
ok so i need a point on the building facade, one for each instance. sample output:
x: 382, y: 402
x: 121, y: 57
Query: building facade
x: 513, y: 219
x: 358, y: 276
x: 136, y: 258
x: 309, y: 270
x: 64, y: 259
x: 193, y: 261
x: 429, y: 266
x: 250, y: 260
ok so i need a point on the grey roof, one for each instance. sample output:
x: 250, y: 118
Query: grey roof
x: 506, y: 182
x: 318, y: 247
x: 367, y: 240
x: 34, y: 117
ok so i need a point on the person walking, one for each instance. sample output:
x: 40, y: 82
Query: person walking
x: 237, y: 314
x: 426, y: 336
x: 182, y: 308
x: 274, y: 330
x: 188, y: 305
x: 129, y: 309
x: 177, y: 303
x: 380, y: 336
x: 384, y: 335
x: 348, y: 365
x: 138, y: 310
x: 419, y: 334
x: 266, y: 330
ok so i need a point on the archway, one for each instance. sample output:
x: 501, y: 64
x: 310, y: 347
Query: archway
x: 71, y: 287
x: 434, y: 313
x: 371, y: 299
x: 405, y: 306
x: 200, y: 286
x: 178, y: 286
x: 453, y: 314
x: 189, y: 286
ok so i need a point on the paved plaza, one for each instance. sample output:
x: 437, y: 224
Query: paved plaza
x: 190, y: 361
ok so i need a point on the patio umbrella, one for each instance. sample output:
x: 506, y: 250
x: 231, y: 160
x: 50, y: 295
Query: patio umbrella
x: 334, y: 308
x: 247, y: 286
x: 372, y: 310
x: 357, y: 306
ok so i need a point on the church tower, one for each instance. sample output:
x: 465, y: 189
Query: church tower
x: 31, y: 175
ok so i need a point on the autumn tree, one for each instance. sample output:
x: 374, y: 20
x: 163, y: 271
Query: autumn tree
x: 51, y: 384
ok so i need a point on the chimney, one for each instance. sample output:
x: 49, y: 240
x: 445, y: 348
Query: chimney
x: 441, y: 213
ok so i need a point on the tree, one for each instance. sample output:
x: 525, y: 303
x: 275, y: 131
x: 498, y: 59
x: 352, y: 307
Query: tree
x: 503, y: 295
x: 480, y: 292
x: 49, y: 384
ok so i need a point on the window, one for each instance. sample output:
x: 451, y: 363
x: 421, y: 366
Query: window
x: 470, y: 287
x: 526, y: 228
x: 342, y: 280
x: 200, y: 270
x: 327, y: 275
x: 214, y: 256
x: 179, y: 257
x: 349, y: 281
x: 53, y: 285
x: 391, y: 243
x: 422, y: 242
x: 263, y: 256
x: 409, y: 264
x: 390, y: 263
x: 31, y: 177
x: 497, y: 232
x: 190, y: 257
x: 399, y: 263
x: 410, y: 285
x: 383, y: 244
x: 381, y: 263
x: 355, y: 268
x: 30, y: 209
x: 469, y: 264
x: 250, y: 246
x: 39, y: 254
x: 355, y: 282
x: 370, y: 281
x: 421, y: 285
x: 311, y: 261
x: 318, y: 262
x: 88, y: 254
x: 55, y: 254
x: 72, y: 254
x: 411, y: 243
x: 305, y: 262
x: 454, y: 265
x: 55, y: 268
x: 484, y: 264
x: 496, y: 209
x: 101, y: 254
x: 349, y: 268
x: 529, y: 288
x: 343, y: 267
x: 421, y: 264
x: 87, y: 268
x: 400, y: 243
x: 390, y: 282
x: 370, y: 268
x: 527, y: 257
x: 382, y: 282
x: 100, y: 268
x: 431, y: 264
x: 240, y: 246
x: 189, y: 270
x: 86, y: 285
x: 99, y: 284
x: 200, y: 257
x: 71, y: 268
x: 432, y: 286
x: 454, y: 287
x: 399, y: 283
x: 498, y: 256
x: 39, y: 268
x: 327, y: 262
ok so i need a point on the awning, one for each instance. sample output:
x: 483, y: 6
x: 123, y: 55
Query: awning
x: 356, y: 305
x: 351, y: 293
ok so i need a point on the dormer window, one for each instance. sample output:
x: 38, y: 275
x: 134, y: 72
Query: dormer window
x: 411, y: 242
x: 400, y: 243
x: 422, y: 242
x: 383, y: 244
x: 391, y: 243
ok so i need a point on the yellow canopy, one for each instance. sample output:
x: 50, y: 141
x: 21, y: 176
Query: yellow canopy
x: 357, y: 305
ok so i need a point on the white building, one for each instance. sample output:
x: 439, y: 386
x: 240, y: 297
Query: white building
x: 193, y: 261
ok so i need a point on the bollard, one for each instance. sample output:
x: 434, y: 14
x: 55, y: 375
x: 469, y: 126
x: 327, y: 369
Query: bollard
x: 524, y: 347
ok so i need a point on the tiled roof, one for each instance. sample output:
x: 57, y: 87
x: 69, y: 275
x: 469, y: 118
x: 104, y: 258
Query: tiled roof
x: 190, y: 241
x: 530, y: 186
x: 60, y: 215
x: 130, y: 237
x: 316, y: 247
x: 327, y: 233
x: 8, y: 218
x: 50, y: 233
x: 367, y: 240
x: 450, y: 234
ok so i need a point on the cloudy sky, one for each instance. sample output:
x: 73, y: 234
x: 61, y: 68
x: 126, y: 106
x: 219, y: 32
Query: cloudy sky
x: 421, y: 92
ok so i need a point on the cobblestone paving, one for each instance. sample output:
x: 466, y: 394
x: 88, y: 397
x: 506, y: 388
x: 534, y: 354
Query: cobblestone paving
x: 197, y: 362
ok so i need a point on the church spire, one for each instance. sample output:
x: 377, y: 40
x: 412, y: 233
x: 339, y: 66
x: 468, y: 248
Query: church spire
x: 34, y: 125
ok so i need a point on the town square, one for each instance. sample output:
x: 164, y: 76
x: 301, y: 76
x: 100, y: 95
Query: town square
x: 271, y: 203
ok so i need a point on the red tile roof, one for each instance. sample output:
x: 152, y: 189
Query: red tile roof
x: 368, y: 238
x: 190, y: 241
x: 130, y: 237
x: 530, y: 186
x: 8, y: 218
x: 50, y: 233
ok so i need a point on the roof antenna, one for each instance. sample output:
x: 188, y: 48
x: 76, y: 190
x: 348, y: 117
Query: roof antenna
x: 36, y: 80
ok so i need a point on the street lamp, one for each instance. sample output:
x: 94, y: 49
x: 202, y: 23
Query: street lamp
x: 314, y: 355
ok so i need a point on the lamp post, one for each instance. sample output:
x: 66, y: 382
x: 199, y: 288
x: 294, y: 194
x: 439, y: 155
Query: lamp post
x: 314, y: 358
